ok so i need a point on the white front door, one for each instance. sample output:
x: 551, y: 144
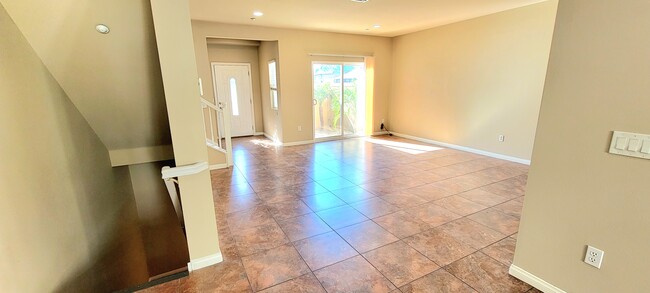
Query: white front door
x: 233, y: 87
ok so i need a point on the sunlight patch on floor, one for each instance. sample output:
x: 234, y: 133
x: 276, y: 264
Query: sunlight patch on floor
x: 410, y: 148
x: 266, y: 143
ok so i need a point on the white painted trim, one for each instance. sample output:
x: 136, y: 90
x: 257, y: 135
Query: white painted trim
x: 533, y: 280
x: 466, y: 149
x: 229, y: 63
x: 269, y: 137
x: 203, y: 262
x: 298, y: 143
x: 215, y: 147
x: 186, y: 170
x: 380, y: 133
x: 260, y: 133
x: 218, y: 166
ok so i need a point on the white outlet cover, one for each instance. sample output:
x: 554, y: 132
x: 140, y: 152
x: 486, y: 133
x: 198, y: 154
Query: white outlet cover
x: 594, y: 256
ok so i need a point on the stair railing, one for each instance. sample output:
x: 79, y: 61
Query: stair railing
x: 215, y: 133
x: 170, y: 176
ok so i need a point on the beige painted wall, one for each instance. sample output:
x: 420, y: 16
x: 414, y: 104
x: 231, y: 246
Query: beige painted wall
x: 294, y: 47
x: 467, y: 83
x: 215, y: 157
x: 114, y: 80
x: 178, y: 67
x: 241, y: 54
x: 268, y: 51
x: 164, y: 241
x: 68, y: 219
x: 141, y: 155
x: 577, y: 193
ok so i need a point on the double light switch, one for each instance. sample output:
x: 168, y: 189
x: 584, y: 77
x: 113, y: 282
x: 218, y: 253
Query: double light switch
x: 630, y: 144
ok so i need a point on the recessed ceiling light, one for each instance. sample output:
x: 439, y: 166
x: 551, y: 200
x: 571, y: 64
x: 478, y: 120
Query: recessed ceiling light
x: 102, y: 29
x: 258, y: 13
x: 376, y: 26
x: 359, y: 1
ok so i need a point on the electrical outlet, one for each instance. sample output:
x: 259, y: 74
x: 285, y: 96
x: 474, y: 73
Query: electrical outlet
x: 594, y: 256
x: 502, y: 138
x: 382, y: 121
x: 299, y: 128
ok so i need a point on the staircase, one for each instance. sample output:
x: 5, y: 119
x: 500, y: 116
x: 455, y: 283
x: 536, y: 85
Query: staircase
x: 217, y: 134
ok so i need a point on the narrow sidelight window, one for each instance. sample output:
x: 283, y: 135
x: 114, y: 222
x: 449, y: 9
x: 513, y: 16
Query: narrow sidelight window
x: 273, y: 84
x: 234, y: 97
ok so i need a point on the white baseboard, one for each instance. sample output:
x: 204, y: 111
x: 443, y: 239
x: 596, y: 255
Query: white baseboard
x: 218, y: 166
x: 533, y: 280
x: 278, y: 142
x: 203, y: 262
x: 466, y: 149
x: 298, y: 143
x: 380, y: 133
x: 259, y: 133
x: 268, y: 136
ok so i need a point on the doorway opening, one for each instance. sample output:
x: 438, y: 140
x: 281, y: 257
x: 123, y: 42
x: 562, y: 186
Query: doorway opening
x: 339, y: 99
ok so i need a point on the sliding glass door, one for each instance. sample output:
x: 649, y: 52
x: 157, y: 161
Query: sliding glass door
x: 339, y: 99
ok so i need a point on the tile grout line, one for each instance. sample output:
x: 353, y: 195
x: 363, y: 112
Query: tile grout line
x: 301, y: 258
x: 373, y: 219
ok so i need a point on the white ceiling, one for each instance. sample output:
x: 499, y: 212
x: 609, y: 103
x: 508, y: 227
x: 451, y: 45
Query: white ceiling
x: 396, y: 17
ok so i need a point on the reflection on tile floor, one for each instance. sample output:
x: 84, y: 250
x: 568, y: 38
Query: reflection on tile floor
x: 381, y: 214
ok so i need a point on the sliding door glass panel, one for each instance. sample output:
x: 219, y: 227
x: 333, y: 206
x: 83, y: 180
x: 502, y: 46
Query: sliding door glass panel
x: 354, y: 99
x: 327, y: 100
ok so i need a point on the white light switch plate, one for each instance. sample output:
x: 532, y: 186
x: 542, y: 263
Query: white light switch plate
x: 630, y: 144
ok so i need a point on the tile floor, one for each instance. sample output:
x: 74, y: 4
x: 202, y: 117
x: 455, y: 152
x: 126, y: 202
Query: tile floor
x: 380, y: 214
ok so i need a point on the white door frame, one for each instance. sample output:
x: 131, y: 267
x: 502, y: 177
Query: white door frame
x: 213, y: 66
x: 313, y: 125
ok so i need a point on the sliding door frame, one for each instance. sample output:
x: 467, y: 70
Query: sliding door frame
x: 342, y: 133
